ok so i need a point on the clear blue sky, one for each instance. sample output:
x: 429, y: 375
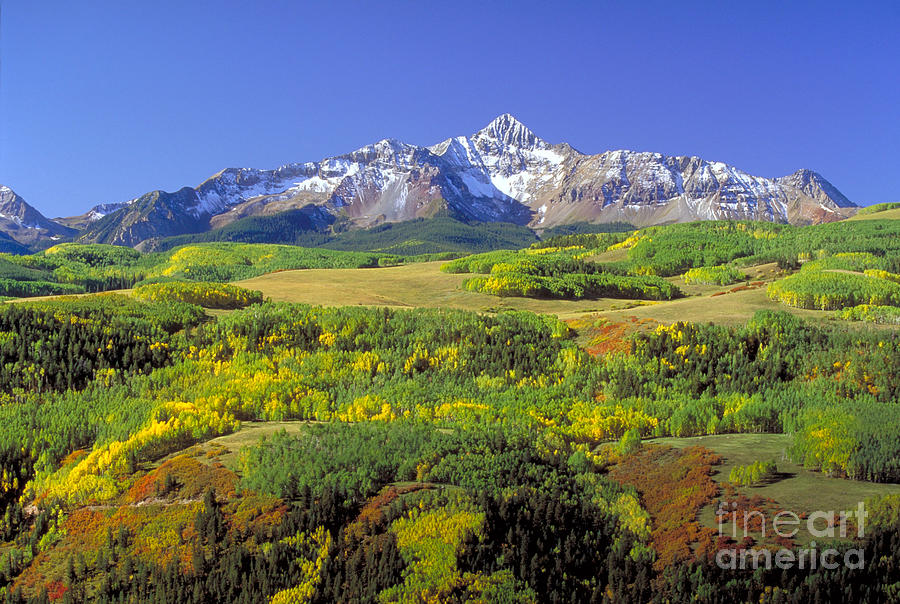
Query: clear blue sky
x: 103, y: 101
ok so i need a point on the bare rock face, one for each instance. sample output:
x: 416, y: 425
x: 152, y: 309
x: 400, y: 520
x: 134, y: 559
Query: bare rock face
x: 503, y: 172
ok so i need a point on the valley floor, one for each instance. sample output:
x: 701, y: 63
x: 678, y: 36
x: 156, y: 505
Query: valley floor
x: 424, y: 285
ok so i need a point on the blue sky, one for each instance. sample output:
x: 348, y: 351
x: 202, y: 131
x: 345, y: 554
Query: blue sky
x: 103, y: 101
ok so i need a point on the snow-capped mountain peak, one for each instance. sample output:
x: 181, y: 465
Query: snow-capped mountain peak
x: 507, y: 131
x: 22, y: 222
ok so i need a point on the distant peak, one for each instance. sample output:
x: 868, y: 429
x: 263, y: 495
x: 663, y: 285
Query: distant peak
x: 506, y: 119
x: 8, y: 196
x: 807, y: 175
x: 510, y: 131
x: 392, y: 144
x: 812, y: 183
x: 803, y: 178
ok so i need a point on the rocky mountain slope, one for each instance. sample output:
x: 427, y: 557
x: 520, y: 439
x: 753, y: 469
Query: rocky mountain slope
x: 22, y: 223
x: 503, y: 172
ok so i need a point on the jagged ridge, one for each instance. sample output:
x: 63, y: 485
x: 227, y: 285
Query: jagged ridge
x: 503, y: 172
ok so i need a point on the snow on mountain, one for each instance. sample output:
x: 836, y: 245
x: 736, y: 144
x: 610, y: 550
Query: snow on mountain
x: 25, y: 224
x: 504, y: 159
x: 503, y: 172
x: 104, y: 209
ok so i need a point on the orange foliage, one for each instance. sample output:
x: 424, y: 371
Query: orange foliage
x: 604, y: 337
x: 372, y: 514
x: 258, y: 513
x: 56, y: 590
x: 74, y: 456
x: 674, y: 485
x: 85, y: 529
x: 31, y: 580
x: 750, y: 514
x: 160, y: 526
x: 191, y: 478
x: 160, y: 533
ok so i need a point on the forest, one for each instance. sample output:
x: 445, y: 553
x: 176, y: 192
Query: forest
x: 440, y: 234
x: 190, y: 441
x: 445, y: 430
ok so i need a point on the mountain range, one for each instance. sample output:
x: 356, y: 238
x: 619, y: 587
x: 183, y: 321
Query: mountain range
x: 502, y: 173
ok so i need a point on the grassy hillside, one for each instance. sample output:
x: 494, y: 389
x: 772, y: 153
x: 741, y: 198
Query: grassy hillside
x: 334, y: 278
x: 883, y: 211
x: 794, y: 488
x: 761, y: 252
x: 79, y: 268
x: 415, y: 285
x: 424, y: 284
